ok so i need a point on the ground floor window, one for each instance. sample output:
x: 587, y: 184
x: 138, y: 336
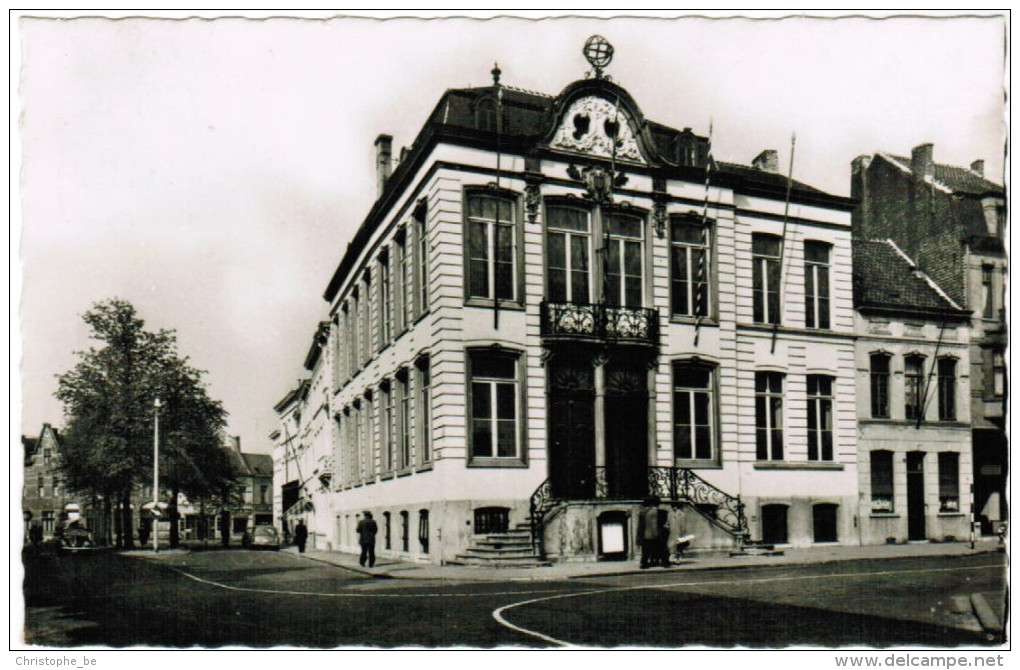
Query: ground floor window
x: 49, y: 520
x: 405, y: 532
x: 240, y: 524
x: 492, y: 520
x: 824, y: 517
x: 773, y: 524
x: 949, y: 481
x: 881, y: 482
x: 387, y: 531
x: 423, y: 530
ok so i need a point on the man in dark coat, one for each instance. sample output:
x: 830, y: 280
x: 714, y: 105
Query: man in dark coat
x: 649, y: 533
x: 301, y: 536
x: 367, y: 528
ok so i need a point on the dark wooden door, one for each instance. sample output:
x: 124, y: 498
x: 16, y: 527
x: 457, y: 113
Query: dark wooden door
x: 572, y: 428
x: 915, y: 496
x: 626, y: 429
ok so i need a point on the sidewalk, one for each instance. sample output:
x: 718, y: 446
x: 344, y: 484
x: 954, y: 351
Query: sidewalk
x: 388, y: 568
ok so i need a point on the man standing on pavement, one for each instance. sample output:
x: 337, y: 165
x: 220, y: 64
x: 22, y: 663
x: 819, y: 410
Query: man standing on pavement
x: 367, y: 528
x: 301, y: 536
x: 649, y: 530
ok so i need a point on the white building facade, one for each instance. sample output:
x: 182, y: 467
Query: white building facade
x: 547, y: 317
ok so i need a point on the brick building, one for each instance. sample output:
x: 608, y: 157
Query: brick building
x: 951, y: 221
x: 913, y: 401
x: 43, y: 496
x: 541, y: 321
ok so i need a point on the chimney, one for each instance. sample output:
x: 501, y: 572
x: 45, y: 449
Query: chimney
x: 921, y: 162
x: 978, y: 167
x: 767, y: 161
x: 383, y: 154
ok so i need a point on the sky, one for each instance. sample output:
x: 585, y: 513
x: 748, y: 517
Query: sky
x: 212, y: 172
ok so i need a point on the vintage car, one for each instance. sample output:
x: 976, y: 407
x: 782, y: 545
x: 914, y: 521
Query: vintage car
x: 261, y: 537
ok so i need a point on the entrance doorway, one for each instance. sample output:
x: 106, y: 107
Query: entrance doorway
x: 571, y: 427
x: 626, y: 418
x: 915, y: 496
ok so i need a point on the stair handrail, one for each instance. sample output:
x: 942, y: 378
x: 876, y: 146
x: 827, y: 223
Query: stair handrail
x: 696, y: 490
x: 541, y: 502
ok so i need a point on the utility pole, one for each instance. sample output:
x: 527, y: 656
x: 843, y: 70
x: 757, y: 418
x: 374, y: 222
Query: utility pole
x: 155, y: 478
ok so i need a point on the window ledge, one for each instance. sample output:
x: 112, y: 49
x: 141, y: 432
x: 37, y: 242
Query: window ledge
x: 496, y: 463
x: 510, y: 305
x: 692, y: 320
x: 884, y: 515
x: 797, y: 465
x: 385, y: 476
x: 404, y: 472
x: 424, y: 467
x: 694, y: 464
x: 950, y: 514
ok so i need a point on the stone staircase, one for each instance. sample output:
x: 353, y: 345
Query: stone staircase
x: 510, y: 549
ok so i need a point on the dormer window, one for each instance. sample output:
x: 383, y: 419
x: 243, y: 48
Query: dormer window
x: 486, y: 115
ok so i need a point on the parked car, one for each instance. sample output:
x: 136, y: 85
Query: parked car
x: 261, y: 537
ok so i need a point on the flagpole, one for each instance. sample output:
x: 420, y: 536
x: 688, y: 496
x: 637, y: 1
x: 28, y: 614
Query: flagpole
x: 700, y: 295
x: 782, y: 246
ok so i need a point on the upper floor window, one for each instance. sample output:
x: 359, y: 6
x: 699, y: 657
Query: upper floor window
x: 690, y: 245
x: 987, y: 292
x: 423, y: 410
x: 947, y: 389
x: 47, y: 456
x: 694, y: 424
x: 768, y: 397
x: 819, y: 417
x: 568, y: 254
x: 494, y: 405
x: 486, y: 116
x: 49, y: 520
x: 998, y: 373
x: 403, y: 419
x: 365, y: 312
x: 880, y: 386
x: 625, y: 260
x: 386, y: 432
x: 385, y: 302
x: 423, y: 259
x: 913, y: 382
x: 766, y: 256
x: 881, y: 482
x: 41, y: 490
x: 816, y: 284
x: 492, y: 257
x: 949, y: 481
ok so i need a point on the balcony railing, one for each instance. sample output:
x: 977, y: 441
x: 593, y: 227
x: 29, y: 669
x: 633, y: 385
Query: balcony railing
x: 600, y: 323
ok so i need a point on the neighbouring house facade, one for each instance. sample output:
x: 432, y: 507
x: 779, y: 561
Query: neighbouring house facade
x: 557, y: 308
x: 913, y: 401
x: 951, y: 221
x: 43, y: 495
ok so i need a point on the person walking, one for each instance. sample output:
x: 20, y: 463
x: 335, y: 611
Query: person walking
x: 367, y: 529
x: 649, y: 531
x: 301, y: 536
x: 35, y: 534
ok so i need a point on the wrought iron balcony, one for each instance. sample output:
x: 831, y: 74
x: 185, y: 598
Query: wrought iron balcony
x: 600, y: 323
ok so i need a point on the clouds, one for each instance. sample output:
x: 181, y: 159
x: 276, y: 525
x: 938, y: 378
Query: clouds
x: 213, y: 171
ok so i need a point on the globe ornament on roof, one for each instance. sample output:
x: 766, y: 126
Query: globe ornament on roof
x: 599, y: 53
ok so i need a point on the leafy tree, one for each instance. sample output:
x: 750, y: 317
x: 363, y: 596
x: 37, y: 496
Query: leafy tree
x: 108, y: 405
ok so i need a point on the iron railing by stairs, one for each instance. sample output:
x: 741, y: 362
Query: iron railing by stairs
x: 671, y: 485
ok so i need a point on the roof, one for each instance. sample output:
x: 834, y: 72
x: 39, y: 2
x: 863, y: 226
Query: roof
x: 954, y: 178
x: 30, y: 443
x: 259, y: 465
x: 527, y: 118
x: 886, y: 278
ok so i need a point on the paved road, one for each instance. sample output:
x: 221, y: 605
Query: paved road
x: 268, y: 599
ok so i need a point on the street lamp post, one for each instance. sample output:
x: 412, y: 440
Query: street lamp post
x: 155, y: 478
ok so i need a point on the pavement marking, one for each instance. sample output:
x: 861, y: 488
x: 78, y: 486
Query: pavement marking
x: 497, y: 614
x: 246, y: 589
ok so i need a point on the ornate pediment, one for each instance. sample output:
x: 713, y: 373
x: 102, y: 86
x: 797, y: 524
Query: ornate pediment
x: 595, y: 126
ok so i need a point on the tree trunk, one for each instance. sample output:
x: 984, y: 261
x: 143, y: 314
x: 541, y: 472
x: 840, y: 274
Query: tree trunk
x: 107, y: 521
x: 129, y: 535
x: 175, y: 535
x: 118, y: 531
